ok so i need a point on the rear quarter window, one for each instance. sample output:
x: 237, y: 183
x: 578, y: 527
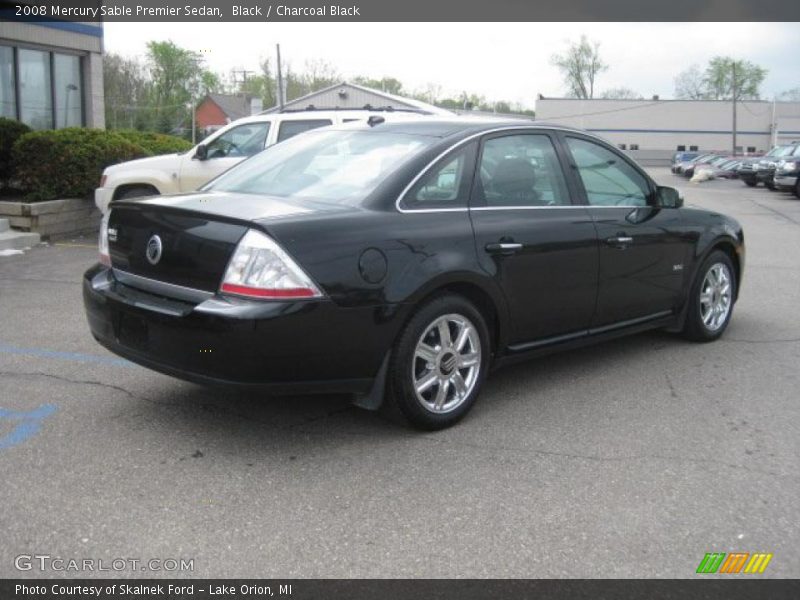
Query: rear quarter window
x: 290, y: 129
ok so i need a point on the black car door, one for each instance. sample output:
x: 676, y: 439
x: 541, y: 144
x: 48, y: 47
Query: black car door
x: 642, y: 247
x: 530, y: 236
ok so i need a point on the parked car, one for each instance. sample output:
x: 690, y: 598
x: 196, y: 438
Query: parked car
x: 405, y: 260
x: 686, y: 164
x: 709, y: 162
x: 681, y: 157
x: 763, y: 169
x: 787, y: 172
x: 722, y: 168
x: 172, y: 173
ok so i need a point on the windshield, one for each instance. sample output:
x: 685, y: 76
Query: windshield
x: 781, y: 151
x: 330, y: 165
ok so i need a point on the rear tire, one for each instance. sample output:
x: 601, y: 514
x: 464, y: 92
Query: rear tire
x: 439, y: 363
x: 797, y: 188
x: 711, y: 299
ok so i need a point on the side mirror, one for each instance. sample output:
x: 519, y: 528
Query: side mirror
x: 669, y: 197
x: 202, y: 152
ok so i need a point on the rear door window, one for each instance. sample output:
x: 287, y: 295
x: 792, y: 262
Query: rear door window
x: 292, y: 128
x: 520, y: 170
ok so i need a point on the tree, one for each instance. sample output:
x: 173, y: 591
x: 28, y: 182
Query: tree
x: 792, y: 95
x: 579, y: 65
x: 319, y: 74
x: 390, y: 85
x: 126, y: 89
x: 720, y: 83
x: 177, y: 79
x: 621, y: 93
x: 690, y: 84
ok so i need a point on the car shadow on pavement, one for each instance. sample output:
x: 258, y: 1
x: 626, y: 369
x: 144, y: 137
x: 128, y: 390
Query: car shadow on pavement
x: 246, y: 420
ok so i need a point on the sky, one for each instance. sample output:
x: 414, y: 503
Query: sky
x: 501, y: 61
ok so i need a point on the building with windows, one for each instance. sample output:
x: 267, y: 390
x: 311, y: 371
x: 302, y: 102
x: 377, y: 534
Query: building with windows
x: 656, y: 128
x: 51, y: 73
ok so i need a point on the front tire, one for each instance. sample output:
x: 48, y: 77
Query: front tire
x: 439, y: 363
x: 711, y: 299
x: 750, y: 183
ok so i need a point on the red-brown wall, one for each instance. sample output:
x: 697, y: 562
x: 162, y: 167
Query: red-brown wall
x: 210, y: 115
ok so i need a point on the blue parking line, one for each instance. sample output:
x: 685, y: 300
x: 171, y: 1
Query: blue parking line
x: 73, y: 356
x: 28, y: 424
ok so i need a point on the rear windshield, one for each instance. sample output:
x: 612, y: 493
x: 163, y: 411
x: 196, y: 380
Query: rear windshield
x: 330, y: 164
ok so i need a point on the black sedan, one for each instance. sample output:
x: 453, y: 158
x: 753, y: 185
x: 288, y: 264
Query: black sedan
x: 400, y: 262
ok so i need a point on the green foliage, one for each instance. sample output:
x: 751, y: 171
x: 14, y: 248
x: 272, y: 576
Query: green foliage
x: 717, y: 81
x: 10, y: 131
x: 67, y: 163
x: 154, y: 143
x: 621, y: 93
x: 721, y: 83
x: 390, y: 85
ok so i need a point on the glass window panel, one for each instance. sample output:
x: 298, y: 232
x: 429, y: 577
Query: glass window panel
x: 607, y: 178
x: 241, y: 141
x: 521, y: 170
x: 35, y: 99
x: 292, y: 128
x: 8, y: 101
x: 69, y: 92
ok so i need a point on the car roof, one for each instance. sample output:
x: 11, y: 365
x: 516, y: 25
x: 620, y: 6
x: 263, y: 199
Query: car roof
x: 458, y: 126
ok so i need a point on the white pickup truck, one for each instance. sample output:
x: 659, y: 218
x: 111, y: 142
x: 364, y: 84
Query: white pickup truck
x: 173, y: 173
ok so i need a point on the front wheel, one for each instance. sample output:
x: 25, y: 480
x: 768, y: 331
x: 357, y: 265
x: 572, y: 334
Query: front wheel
x: 439, y: 363
x: 750, y: 183
x: 711, y: 299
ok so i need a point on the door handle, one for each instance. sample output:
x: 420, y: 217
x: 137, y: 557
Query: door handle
x: 504, y: 248
x: 619, y: 240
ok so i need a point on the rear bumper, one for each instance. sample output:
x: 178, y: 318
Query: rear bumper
x: 278, y: 347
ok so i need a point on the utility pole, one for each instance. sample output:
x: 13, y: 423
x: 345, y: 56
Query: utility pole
x: 280, y: 78
x: 734, y: 107
x: 197, y: 59
x: 774, y: 136
x: 244, y: 73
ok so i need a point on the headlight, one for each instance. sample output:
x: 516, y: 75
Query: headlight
x: 260, y: 268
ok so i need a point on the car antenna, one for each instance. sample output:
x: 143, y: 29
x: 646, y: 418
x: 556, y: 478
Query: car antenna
x: 375, y: 120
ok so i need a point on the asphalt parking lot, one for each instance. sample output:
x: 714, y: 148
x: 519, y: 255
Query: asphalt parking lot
x: 629, y: 459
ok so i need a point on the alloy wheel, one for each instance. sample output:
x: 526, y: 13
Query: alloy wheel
x: 716, y: 296
x: 446, y: 364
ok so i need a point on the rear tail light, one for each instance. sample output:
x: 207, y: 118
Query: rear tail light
x: 102, y: 242
x: 260, y: 268
x: 103, y: 178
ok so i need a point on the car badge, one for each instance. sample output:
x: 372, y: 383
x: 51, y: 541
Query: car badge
x: 153, y: 250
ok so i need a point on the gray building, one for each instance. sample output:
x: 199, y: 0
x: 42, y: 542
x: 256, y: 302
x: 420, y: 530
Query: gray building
x: 51, y: 73
x: 654, y: 128
x: 351, y: 95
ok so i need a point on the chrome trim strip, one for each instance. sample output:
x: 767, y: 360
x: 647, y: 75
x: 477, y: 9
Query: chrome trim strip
x: 562, y: 206
x: 542, y: 127
x: 169, y: 290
